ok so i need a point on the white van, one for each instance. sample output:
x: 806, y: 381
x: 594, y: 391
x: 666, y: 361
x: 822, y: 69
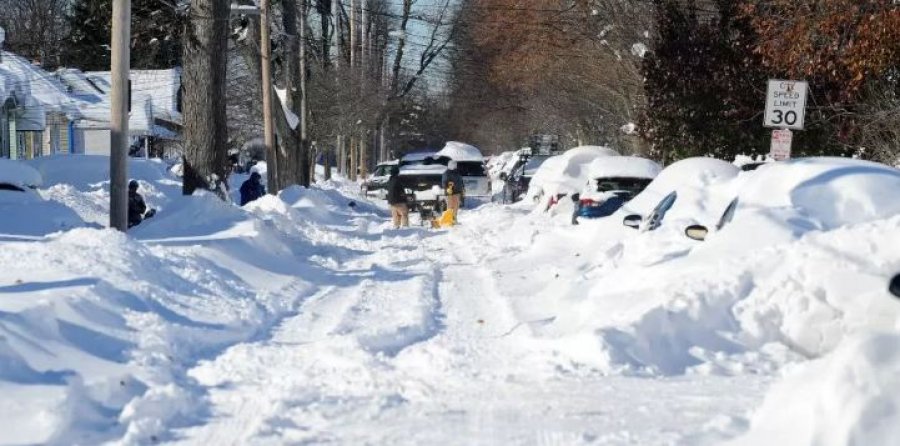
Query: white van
x: 470, y: 163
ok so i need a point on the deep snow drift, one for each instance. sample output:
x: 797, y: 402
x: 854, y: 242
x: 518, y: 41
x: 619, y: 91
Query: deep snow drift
x: 302, y: 319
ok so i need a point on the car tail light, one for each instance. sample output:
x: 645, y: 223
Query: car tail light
x: 588, y: 202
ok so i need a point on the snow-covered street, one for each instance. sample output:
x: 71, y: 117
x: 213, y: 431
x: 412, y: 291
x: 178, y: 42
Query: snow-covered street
x: 305, y: 318
x: 418, y: 346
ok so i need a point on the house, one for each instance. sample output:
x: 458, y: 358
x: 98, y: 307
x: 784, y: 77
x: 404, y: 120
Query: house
x: 156, y: 122
x: 68, y: 111
x: 37, y: 112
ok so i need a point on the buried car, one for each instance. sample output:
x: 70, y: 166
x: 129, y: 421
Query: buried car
x: 470, y: 163
x: 791, y: 198
x: 377, y: 182
x: 564, y: 174
x: 613, y: 182
x: 689, y: 189
x: 24, y: 211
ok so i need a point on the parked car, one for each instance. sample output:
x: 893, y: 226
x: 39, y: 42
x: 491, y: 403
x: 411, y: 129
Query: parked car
x: 517, y: 180
x: 377, y: 183
x: 613, y: 182
x: 471, y: 166
x: 692, y: 189
x: 894, y: 286
x: 564, y: 174
x: 791, y: 198
x: 24, y: 211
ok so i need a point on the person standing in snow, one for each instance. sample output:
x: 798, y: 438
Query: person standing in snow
x: 137, y: 209
x: 252, y: 189
x: 396, y: 197
x: 452, y: 184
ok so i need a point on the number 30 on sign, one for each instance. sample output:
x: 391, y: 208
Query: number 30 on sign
x: 785, y: 104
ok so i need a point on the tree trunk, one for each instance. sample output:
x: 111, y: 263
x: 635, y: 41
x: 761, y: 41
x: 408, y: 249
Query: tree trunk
x: 353, y: 158
x: 205, y: 130
x: 297, y: 151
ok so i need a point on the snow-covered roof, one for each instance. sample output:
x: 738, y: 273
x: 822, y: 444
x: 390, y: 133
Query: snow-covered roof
x: 79, y: 85
x: 458, y: 151
x: 36, y: 88
x: 623, y: 166
x: 160, y: 86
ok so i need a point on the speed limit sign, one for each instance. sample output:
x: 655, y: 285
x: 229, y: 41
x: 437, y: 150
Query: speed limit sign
x: 785, y: 104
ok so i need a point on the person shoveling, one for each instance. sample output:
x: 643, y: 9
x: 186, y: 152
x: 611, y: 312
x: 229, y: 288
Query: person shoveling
x: 452, y: 184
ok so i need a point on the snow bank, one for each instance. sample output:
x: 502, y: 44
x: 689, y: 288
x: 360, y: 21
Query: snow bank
x: 99, y: 328
x: 19, y: 174
x: 458, y: 151
x: 566, y: 173
x: 83, y: 171
x: 849, y: 397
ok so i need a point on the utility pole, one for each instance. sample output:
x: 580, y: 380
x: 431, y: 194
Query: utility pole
x: 268, y: 123
x: 118, y: 156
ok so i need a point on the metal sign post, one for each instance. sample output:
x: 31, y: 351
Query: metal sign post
x: 785, y: 111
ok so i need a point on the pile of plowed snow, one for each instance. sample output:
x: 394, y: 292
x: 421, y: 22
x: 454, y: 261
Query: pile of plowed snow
x: 98, y: 328
x: 797, y: 279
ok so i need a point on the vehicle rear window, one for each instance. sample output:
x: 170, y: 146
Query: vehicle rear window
x: 533, y: 163
x: 471, y: 168
x: 11, y: 187
x: 632, y: 186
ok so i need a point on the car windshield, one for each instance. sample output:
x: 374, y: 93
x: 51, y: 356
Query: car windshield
x: 630, y: 186
x: 533, y: 163
x: 471, y: 168
x: 382, y: 171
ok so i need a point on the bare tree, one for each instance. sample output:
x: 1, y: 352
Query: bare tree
x: 35, y: 28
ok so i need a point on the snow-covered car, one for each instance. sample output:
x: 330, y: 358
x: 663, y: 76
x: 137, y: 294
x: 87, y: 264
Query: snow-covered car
x: 517, y: 173
x: 24, y: 211
x: 689, y: 190
x: 470, y: 164
x: 788, y: 199
x: 377, y: 183
x: 417, y: 158
x: 564, y: 174
x: 613, y: 182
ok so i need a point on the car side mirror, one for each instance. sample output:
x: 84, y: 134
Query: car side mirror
x: 894, y: 287
x: 503, y: 176
x: 696, y: 232
x: 633, y: 221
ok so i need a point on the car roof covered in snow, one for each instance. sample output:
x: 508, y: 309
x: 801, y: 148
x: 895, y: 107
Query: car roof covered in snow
x: 700, y: 184
x: 568, y: 172
x: 19, y: 174
x: 623, y: 167
x: 832, y: 191
x: 458, y: 151
x: 418, y: 156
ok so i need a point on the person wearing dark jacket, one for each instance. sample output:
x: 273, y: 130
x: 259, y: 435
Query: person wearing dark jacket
x: 396, y: 197
x: 137, y: 209
x: 252, y: 189
x: 452, y: 184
